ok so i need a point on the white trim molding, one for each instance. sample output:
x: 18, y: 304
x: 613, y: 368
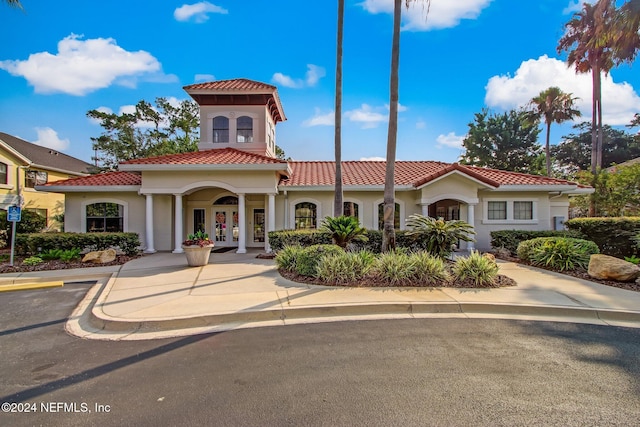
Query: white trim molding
x: 292, y: 211
x: 376, y: 216
x: 510, y: 220
x: 85, y: 203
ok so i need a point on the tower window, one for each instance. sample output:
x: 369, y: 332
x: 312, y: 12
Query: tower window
x: 220, y: 129
x: 245, y: 129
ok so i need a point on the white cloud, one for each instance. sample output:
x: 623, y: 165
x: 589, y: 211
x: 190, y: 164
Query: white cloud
x: 198, y: 11
x: 619, y: 100
x: 320, y: 119
x: 48, y: 137
x: 442, y: 14
x: 84, y: 66
x: 204, y: 77
x: 366, y: 116
x: 450, y: 140
x: 421, y: 124
x: 313, y: 75
x: 373, y: 159
x: 401, y: 107
x: 286, y: 81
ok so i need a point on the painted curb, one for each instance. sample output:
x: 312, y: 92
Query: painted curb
x: 30, y: 286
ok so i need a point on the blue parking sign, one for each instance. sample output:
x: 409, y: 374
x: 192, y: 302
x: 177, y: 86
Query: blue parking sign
x: 14, y: 213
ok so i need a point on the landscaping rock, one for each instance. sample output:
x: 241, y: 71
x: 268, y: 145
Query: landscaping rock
x: 100, y: 257
x: 491, y: 257
x: 606, y: 267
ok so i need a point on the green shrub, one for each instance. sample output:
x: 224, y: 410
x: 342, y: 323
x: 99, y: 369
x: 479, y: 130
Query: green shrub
x: 307, y: 260
x: 632, y: 259
x: 30, y: 222
x: 344, y: 230
x: 345, y: 267
x: 28, y: 244
x: 438, y: 236
x: 286, y: 258
x: 614, y: 236
x: 305, y: 238
x: 396, y: 268
x: 33, y: 260
x: 563, y: 254
x: 510, y: 239
x: 70, y: 255
x: 51, y: 254
x: 481, y: 270
x: 583, y: 248
x: 429, y: 269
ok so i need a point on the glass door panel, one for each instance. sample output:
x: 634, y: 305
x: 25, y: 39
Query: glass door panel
x: 235, y: 229
x: 258, y: 225
x: 221, y: 226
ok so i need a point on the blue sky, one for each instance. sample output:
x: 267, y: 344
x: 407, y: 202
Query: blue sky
x: 62, y: 59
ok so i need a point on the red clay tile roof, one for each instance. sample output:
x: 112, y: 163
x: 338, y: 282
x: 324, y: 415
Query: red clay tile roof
x: 101, y: 179
x: 219, y: 156
x: 231, y: 85
x: 322, y: 173
x: 407, y: 173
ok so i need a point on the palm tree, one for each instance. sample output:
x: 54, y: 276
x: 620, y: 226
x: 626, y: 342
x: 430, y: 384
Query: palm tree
x: 588, y: 41
x: 554, y: 106
x: 14, y: 3
x: 338, y: 205
x: 626, y: 37
x: 388, y: 230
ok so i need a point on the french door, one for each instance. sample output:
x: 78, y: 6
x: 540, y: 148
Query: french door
x: 225, y: 223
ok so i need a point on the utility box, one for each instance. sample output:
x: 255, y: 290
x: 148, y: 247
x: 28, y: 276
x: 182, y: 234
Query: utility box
x: 558, y: 223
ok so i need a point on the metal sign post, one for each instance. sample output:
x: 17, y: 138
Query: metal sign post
x: 14, y: 214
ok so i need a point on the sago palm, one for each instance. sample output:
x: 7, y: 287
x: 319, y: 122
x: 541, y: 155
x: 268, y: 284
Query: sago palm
x: 437, y: 235
x: 344, y: 230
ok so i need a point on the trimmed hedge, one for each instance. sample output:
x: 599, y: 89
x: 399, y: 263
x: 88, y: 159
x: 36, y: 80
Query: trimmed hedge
x: 32, y: 244
x: 614, y: 236
x: 279, y: 239
x: 510, y: 239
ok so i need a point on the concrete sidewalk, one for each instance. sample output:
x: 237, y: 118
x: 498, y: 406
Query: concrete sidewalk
x: 158, y: 296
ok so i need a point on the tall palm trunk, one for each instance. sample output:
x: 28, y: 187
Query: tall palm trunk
x: 547, y: 151
x: 338, y: 205
x: 388, y: 233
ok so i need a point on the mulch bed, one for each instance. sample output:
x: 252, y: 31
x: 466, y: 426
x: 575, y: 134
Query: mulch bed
x: 57, y: 264
x: 378, y: 282
x: 580, y: 274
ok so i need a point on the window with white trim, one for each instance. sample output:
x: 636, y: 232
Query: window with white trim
x: 244, y: 127
x: 3, y: 174
x: 105, y: 217
x: 396, y: 216
x: 351, y: 209
x: 33, y: 178
x: 306, y: 214
x: 497, y: 210
x: 522, y: 210
x: 220, y: 129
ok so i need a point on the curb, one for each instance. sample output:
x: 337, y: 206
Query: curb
x: 30, y: 286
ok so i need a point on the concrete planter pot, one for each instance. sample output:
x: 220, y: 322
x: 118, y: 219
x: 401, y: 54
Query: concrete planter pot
x: 197, y: 256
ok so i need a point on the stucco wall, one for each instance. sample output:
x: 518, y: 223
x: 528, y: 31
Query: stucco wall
x: 189, y: 181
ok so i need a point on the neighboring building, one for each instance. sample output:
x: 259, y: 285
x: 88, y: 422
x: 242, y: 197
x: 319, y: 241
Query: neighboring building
x: 24, y: 165
x: 236, y: 190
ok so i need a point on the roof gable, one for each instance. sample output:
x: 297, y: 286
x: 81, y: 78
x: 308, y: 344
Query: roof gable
x: 43, y: 157
x: 215, y: 157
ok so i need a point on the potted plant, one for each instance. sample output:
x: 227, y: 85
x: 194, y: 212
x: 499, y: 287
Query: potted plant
x: 197, y: 248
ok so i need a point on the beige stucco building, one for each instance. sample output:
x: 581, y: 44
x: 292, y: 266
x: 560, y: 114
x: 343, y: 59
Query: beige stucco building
x: 235, y: 189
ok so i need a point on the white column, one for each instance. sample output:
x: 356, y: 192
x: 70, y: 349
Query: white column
x: 242, y: 226
x: 271, y: 219
x: 149, y: 225
x: 471, y: 220
x: 178, y: 224
x: 425, y: 209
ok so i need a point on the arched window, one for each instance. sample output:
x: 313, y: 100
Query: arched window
x: 105, y: 217
x: 396, y: 217
x: 220, y: 129
x: 306, y: 215
x: 226, y: 200
x: 244, y: 129
x: 351, y: 209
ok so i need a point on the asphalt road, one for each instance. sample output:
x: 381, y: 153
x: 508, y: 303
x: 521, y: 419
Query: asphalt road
x: 441, y: 372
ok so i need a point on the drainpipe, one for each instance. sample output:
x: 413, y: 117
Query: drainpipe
x: 286, y: 211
